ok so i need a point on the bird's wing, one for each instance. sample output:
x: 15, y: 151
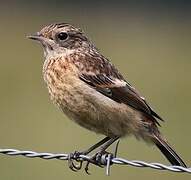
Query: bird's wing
x: 120, y: 91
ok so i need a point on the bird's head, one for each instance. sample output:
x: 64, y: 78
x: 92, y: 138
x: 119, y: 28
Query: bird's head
x: 61, y: 38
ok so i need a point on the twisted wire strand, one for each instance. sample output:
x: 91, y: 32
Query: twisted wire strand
x: 106, y: 160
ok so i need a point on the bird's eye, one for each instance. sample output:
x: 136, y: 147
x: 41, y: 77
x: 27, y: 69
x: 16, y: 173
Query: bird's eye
x: 62, y: 36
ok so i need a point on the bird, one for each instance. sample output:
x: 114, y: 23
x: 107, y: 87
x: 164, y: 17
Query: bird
x: 92, y: 92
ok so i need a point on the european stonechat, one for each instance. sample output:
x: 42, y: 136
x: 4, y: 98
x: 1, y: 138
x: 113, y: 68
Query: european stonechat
x: 92, y: 92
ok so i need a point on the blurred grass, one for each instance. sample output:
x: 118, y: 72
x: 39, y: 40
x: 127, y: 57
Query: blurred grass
x: 152, y: 50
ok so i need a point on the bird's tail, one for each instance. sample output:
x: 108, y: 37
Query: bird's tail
x: 168, y: 152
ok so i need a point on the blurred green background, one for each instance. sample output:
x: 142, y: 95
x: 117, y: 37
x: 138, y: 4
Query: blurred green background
x: 149, y: 41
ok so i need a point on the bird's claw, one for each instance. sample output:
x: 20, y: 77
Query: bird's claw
x: 74, y: 157
x: 101, y: 158
x: 98, y: 159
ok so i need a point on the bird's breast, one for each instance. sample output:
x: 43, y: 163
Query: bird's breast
x: 85, y: 105
x: 70, y: 94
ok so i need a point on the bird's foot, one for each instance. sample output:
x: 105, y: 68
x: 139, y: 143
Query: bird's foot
x: 75, y: 157
x: 99, y: 159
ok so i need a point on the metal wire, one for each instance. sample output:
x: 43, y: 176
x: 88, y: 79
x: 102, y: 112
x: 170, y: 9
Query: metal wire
x: 106, y: 160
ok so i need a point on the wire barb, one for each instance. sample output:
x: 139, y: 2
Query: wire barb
x: 105, y: 160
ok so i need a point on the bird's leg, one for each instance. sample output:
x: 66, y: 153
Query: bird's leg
x: 106, y: 139
x: 116, y: 148
x: 96, y: 158
x: 76, y: 154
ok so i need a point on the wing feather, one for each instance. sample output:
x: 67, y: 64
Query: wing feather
x: 119, y: 91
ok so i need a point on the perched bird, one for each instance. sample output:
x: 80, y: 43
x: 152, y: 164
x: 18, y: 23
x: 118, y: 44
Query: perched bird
x: 92, y: 92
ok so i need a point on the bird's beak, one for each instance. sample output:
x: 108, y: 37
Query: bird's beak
x: 37, y: 37
x: 47, y: 43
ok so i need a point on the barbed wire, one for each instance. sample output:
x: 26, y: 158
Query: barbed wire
x: 106, y: 160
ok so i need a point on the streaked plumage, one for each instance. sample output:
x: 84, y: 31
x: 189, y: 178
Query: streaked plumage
x: 92, y: 92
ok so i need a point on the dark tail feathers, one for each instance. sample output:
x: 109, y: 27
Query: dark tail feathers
x: 168, y: 152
